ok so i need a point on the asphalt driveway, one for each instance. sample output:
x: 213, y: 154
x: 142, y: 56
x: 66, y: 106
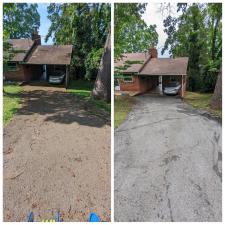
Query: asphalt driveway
x: 56, y: 157
x: 168, y: 163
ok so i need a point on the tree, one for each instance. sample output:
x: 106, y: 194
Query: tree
x: 216, y: 101
x: 20, y: 19
x: 197, y: 34
x: 131, y: 33
x: 84, y: 26
x: 102, y: 88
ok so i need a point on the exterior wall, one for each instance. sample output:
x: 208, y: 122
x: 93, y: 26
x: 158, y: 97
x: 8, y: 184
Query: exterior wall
x: 24, y: 73
x: 17, y: 75
x: 139, y: 84
x: 142, y: 84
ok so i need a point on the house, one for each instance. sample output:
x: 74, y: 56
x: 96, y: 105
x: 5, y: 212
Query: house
x: 143, y: 72
x: 33, y: 61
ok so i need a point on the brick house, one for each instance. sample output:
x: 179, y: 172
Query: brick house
x: 143, y: 72
x: 33, y: 61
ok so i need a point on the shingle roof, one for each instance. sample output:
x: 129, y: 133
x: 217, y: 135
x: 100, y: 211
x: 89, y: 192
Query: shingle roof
x: 169, y: 66
x: 154, y: 66
x: 21, y: 47
x: 21, y: 44
x: 133, y: 68
x: 51, y: 55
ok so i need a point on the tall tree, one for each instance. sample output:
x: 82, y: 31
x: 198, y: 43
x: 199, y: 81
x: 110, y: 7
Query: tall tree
x: 216, y: 101
x: 102, y: 88
x: 85, y: 26
x: 197, y: 33
x: 20, y: 19
x: 131, y: 33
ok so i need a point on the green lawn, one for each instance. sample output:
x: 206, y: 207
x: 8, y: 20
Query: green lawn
x: 201, y: 101
x: 83, y: 89
x: 122, y: 105
x: 11, y: 101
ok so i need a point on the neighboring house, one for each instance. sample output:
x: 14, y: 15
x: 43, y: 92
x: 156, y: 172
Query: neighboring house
x: 144, y: 72
x: 33, y: 61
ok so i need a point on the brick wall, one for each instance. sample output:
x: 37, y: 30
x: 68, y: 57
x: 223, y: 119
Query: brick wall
x: 24, y: 73
x: 140, y: 84
x: 17, y: 75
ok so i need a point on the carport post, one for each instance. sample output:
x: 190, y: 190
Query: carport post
x: 182, y: 86
x: 67, y: 76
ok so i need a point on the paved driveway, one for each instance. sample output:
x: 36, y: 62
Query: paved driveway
x: 56, y: 157
x: 167, y: 163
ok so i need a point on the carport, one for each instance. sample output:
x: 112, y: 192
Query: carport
x: 167, y: 70
x: 47, y: 58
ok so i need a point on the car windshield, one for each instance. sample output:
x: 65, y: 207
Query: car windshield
x: 173, y: 84
x: 58, y: 73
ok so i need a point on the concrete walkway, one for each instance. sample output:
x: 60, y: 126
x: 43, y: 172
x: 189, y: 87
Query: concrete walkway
x: 168, y: 163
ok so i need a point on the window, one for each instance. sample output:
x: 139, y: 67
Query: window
x: 128, y: 79
x: 12, y: 66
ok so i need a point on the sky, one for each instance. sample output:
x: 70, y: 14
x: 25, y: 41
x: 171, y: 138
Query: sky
x: 153, y: 16
x: 45, y: 23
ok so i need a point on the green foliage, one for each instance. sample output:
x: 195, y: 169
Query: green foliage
x: 201, y: 101
x: 11, y: 101
x: 131, y: 33
x: 92, y: 62
x: 83, y: 25
x: 19, y: 20
x: 197, y: 34
x: 123, y: 105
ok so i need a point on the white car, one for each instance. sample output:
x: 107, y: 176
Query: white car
x: 172, y: 88
x: 57, y: 78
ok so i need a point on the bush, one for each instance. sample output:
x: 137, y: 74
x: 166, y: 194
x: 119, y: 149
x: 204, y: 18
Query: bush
x: 92, y: 63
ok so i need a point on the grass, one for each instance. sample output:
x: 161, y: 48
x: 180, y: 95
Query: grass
x: 123, y: 105
x: 11, y: 101
x: 201, y: 101
x: 83, y: 89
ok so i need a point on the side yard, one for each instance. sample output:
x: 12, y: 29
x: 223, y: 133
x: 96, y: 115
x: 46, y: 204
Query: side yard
x: 201, y: 101
x: 11, y: 101
x: 123, y: 105
x: 83, y: 89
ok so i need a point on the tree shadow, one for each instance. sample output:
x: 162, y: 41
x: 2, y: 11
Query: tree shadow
x: 61, y: 107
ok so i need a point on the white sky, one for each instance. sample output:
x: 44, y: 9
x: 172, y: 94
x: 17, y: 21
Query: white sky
x: 153, y: 16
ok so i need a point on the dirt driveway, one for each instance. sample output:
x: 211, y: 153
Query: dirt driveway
x: 168, y: 163
x: 56, y: 157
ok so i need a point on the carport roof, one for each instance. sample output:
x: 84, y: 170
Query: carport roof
x: 169, y: 66
x: 51, y: 55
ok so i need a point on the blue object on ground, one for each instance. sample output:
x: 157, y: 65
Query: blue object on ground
x: 57, y: 218
x: 30, y: 217
x: 94, y: 218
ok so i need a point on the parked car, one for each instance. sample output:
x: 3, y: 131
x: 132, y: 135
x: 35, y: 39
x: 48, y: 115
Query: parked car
x: 172, y: 88
x: 57, y: 78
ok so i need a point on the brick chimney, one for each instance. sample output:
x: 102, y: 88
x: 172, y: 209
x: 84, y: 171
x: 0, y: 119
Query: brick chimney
x: 36, y: 37
x: 153, y: 53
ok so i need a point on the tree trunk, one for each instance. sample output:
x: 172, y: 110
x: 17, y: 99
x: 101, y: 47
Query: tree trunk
x: 216, y: 102
x: 102, y: 88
